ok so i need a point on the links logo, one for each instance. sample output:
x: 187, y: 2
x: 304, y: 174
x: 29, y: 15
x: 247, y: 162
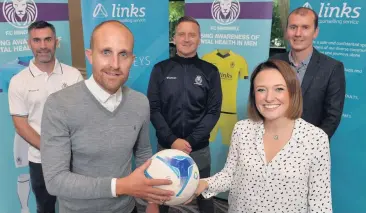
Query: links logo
x: 225, y: 12
x: 307, y: 5
x: 100, y: 11
x: 226, y: 76
x: 20, y: 13
x: 327, y: 10
x: 118, y: 11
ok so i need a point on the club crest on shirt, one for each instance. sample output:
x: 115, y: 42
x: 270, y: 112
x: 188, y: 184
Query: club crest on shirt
x: 232, y: 64
x: 64, y: 85
x: 198, y: 80
x: 19, y: 160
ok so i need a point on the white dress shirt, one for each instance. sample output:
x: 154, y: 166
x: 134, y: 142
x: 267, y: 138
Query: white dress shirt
x: 110, y: 102
x: 297, y: 179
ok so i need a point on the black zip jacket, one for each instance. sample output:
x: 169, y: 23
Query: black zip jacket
x: 185, y: 100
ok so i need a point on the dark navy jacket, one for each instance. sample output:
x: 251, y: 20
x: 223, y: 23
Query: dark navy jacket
x: 185, y: 100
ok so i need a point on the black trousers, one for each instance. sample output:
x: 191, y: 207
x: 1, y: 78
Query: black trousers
x: 134, y: 210
x: 45, y: 202
x: 204, y: 205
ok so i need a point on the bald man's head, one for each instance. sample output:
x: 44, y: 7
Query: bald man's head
x: 111, y: 55
x: 109, y: 23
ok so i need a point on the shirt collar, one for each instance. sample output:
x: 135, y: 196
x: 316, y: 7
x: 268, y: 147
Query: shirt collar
x: 303, y: 63
x: 227, y: 54
x: 101, y: 94
x: 182, y: 60
x: 36, y: 72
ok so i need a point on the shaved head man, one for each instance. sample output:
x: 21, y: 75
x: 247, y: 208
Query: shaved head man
x: 111, y: 55
x: 92, y: 131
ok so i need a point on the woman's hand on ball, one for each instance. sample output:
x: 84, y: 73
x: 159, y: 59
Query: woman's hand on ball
x: 202, y: 186
x: 137, y: 185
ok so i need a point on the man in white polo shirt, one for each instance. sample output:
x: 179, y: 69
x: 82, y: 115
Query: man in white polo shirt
x: 28, y: 91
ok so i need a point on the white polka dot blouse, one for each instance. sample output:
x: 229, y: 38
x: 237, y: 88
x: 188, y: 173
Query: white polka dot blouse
x: 296, y: 180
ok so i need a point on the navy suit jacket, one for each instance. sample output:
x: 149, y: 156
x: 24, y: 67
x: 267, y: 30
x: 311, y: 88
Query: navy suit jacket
x: 323, y: 90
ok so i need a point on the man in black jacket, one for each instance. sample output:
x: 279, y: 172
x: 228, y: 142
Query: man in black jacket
x: 185, y: 101
x: 322, y: 78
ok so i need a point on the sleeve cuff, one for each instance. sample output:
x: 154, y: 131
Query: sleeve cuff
x: 191, y: 140
x: 19, y: 114
x: 207, y: 193
x: 171, y: 139
x: 113, y: 187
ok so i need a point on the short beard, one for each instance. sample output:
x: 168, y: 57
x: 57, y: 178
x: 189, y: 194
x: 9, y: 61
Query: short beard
x: 49, y: 59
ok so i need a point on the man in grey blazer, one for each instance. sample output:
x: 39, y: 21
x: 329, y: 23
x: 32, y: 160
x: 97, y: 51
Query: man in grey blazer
x: 322, y: 78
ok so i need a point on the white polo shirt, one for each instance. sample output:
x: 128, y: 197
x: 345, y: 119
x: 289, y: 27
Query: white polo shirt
x: 28, y: 92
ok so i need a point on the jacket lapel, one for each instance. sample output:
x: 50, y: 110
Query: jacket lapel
x: 311, y: 71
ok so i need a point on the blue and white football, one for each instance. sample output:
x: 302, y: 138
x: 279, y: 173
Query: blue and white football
x: 178, y: 167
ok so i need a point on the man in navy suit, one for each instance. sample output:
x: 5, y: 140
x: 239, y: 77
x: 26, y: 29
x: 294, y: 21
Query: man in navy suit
x: 322, y: 78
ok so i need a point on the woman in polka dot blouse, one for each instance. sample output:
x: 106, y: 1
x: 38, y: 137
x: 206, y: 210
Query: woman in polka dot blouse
x: 277, y: 163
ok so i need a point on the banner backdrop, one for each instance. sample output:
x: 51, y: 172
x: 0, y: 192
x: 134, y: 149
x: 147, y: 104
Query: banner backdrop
x: 235, y: 36
x: 149, y: 23
x: 15, y: 17
x: 342, y: 36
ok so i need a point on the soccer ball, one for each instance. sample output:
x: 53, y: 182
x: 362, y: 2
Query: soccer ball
x: 178, y: 167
